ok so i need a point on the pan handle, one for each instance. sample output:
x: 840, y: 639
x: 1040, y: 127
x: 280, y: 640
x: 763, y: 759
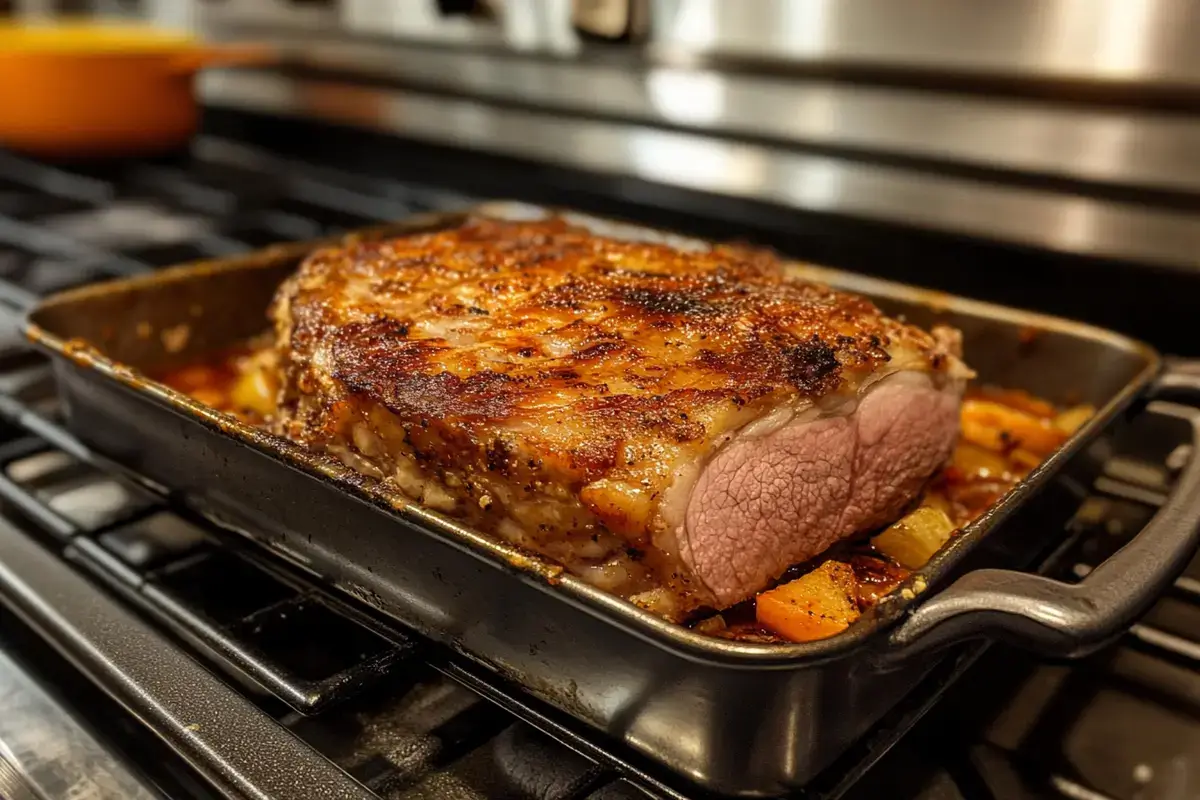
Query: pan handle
x: 1058, y: 619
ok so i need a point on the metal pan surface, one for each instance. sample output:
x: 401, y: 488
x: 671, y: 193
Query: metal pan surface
x: 734, y: 717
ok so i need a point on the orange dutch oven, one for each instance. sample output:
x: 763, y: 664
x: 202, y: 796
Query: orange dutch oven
x: 88, y: 91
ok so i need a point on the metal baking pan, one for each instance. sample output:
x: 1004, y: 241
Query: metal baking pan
x: 737, y: 718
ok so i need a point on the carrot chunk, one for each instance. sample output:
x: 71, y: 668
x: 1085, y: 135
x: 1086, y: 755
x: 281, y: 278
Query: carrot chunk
x: 815, y: 606
x: 1002, y: 428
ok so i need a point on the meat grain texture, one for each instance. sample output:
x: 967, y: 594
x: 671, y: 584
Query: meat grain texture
x: 677, y: 427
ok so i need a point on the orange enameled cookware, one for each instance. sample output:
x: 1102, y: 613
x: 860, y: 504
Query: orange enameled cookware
x: 85, y: 90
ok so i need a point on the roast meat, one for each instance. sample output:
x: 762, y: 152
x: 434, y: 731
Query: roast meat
x: 676, y: 426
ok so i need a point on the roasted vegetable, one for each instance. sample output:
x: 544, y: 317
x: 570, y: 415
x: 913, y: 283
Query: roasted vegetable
x: 1003, y: 428
x: 913, y: 540
x: 254, y: 390
x: 815, y: 606
x: 974, y: 462
x: 1074, y: 418
x: 1020, y: 400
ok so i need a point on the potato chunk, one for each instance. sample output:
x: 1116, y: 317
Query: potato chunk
x: 1074, y: 418
x: 255, y: 389
x: 913, y: 540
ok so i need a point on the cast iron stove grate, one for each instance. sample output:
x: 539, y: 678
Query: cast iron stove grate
x: 404, y: 717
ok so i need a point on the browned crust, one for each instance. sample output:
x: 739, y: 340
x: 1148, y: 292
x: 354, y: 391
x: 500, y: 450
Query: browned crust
x: 535, y: 368
x: 647, y: 331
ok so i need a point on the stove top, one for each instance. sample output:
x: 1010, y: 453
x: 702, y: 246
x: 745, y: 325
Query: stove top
x: 319, y: 682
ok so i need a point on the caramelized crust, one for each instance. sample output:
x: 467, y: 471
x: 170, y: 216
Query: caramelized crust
x: 553, y: 386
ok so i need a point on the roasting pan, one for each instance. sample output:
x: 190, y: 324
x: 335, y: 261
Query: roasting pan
x: 731, y: 717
